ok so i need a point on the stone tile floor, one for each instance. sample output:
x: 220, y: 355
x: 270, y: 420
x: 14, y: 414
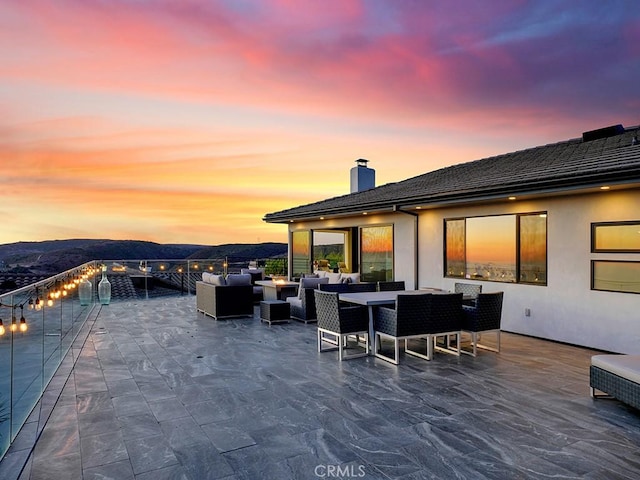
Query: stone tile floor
x: 161, y: 392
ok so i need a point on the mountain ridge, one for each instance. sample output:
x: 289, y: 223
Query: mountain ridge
x: 55, y: 256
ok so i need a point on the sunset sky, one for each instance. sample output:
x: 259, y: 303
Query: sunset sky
x: 186, y: 121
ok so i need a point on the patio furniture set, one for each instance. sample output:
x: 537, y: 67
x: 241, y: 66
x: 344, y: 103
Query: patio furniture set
x: 347, y: 309
x: 371, y: 312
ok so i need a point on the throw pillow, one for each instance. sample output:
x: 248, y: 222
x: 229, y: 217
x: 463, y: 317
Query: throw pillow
x: 353, y: 277
x: 333, y: 277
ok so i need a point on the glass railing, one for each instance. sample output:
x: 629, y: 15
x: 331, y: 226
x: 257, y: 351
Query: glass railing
x: 40, y: 321
x: 38, y: 325
x: 143, y: 279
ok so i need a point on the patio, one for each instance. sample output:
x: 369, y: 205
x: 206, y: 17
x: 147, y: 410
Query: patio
x: 159, y: 391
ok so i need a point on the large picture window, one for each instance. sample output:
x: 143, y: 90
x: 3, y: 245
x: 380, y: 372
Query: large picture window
x: 376, y: 253
x: 499, y: 248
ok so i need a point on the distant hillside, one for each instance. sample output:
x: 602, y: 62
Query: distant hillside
x: 243, y: 250
x: 54, y: 256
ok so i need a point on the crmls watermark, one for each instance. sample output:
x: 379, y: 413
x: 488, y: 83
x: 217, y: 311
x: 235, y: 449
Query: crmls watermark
x: 339, y: 471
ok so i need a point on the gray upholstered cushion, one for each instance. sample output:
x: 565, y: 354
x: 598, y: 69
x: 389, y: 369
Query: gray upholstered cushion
x: 239, y: 279
x: 625, y: 366
x: 310, y: 283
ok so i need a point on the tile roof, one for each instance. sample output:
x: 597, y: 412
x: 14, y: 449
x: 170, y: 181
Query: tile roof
x: 558, y: 167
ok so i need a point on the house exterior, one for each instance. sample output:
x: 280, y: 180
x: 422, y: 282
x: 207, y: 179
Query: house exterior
x: 556, y: 227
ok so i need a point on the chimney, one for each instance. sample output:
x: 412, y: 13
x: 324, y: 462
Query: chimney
x: 362, y: 177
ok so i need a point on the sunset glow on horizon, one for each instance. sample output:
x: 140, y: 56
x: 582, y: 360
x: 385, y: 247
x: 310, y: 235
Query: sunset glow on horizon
x: 187, y: 122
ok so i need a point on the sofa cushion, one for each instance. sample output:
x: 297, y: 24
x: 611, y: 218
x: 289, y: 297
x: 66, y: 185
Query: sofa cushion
x: 310, y: 283
x: 625, y: 366
x: 213, y: 279
x: 294, y: 301
x: 239, y: 279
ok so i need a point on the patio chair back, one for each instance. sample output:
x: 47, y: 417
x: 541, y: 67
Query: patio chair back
x: 362, y: 287
x: 334, y: 318
x: 406, y: 319
x: 391, y: 286
x: 334, y: 287
x: 445, y: 313
x: 471, y: 289
x: 486, y: 315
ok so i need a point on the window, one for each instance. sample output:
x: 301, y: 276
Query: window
x: 533, y: 248
x: 454, y: 248
x: 331, y: 246
x: 614, y: 237
x: 499, y: 248
x: 615, y: 276
x: 300, y: 253
x: 491, y: 248
x: 376, y: 253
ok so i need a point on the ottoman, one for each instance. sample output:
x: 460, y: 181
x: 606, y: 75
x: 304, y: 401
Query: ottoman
x: 274, y: 311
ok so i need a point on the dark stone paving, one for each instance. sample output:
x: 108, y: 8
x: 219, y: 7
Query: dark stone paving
x: 159, y: 391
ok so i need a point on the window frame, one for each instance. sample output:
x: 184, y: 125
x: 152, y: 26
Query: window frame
x: 596, y: 225
x: 593, y: 277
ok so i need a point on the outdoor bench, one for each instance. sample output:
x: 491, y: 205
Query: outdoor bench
x: 617, y: 376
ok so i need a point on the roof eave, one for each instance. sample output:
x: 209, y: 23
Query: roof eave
x: 626, y: 179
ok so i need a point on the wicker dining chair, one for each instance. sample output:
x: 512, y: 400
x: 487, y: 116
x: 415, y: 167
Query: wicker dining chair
x: 339, y: 323
x: 404, y: 322
x: 484, y: 317
x: 469, y: 290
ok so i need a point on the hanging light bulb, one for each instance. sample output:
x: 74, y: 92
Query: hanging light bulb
x: 1, y: 328
x: 14, y: 324
x: 23, y: 321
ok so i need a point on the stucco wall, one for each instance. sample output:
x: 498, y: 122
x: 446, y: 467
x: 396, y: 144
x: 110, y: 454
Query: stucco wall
x: 565, y: 310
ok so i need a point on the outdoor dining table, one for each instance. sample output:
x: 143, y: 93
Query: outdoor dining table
x: 373, y: 299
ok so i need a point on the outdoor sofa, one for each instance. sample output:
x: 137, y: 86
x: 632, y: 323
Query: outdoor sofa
x: 220, y: 297
x: 617, y: 376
